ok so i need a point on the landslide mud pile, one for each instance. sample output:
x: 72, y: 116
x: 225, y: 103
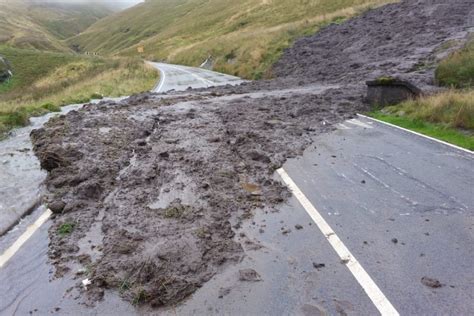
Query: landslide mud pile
x: 150, y: 184
x: 144, y: 190
x: 401, y: 40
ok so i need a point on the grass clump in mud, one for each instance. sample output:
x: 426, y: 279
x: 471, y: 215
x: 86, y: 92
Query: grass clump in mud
x: 386, y: 81
x: 140, y: 296
x: 202, y: 232
x: 66, y: 229
x: 175, y: 210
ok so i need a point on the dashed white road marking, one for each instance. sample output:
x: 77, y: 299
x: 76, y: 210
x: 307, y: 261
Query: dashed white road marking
x: 10, y: 252
x: 413, y: 132
x: 358, y: 123
x: 342, y: 126
x: 375, y: 294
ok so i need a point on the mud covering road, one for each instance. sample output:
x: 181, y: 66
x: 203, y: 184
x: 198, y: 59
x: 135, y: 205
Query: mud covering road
x: 144, y: 189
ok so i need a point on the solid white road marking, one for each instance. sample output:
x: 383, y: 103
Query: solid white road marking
x: 206, y: 81
x: 413, y: 132
x: 162, y: 81
x: 375, y: 294
x: 10, y: 252
x: 358, y: 123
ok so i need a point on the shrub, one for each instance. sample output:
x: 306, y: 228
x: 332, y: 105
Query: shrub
x: 458, y: 69
x: 452, y: 108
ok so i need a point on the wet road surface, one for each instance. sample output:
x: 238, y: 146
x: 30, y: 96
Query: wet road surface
x: 179, y: 78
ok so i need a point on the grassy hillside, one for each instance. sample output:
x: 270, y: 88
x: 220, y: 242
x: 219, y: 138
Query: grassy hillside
x: 245, y: 37
x: 44, y: 81
x: 66, y: 20
x: 27, y: 24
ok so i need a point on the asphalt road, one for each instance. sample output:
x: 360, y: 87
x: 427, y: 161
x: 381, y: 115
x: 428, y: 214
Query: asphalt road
x: 400, y: 204
x: 179, y: 78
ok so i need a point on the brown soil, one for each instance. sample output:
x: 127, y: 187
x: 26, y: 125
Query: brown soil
x: 150, y: 184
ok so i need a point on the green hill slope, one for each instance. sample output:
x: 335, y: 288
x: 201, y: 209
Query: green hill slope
x: 244, y: 37
x: 39, y: 25
x: 44, y: 81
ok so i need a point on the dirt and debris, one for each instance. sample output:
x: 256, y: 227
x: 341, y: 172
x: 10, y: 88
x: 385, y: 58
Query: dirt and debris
x: 153, y: 181
x: 402, y: 40
x: 318, y: 265
x: 430, y: 282
x: 224, y: 291
x: 249, y: 275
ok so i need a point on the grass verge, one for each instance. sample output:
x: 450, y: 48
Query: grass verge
x: 447, y: 134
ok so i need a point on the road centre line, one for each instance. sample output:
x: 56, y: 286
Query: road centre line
x: 10, y: 252
x: 371, y: 289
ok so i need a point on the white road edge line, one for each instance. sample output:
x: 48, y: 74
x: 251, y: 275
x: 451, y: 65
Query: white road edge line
x: 416, y: 133
x: 375, y: 294
x: 206, y: 81
x: 10, y: 252
x: 162, y: 80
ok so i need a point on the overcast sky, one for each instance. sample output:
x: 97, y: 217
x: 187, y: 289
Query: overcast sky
x: 117, y: 3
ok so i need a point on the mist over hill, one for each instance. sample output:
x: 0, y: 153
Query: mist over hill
x: 37, y: 24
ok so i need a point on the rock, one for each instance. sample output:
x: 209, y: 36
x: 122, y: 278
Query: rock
x: 395, y: 240
x: 429, y: 282
x: 57, y: 206
x: 318, y: 265
x: 249, y: 275
x: 298, y: 227
x: 224, y: 291
x: 258, y: 156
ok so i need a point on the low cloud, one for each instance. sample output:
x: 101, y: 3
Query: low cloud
x: 112, y: 3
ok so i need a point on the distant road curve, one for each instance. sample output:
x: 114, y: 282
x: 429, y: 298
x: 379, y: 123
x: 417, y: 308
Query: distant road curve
x: 180, y: 78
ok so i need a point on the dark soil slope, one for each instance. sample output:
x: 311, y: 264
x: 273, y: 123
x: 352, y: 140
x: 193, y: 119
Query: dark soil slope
x: 396, y: 40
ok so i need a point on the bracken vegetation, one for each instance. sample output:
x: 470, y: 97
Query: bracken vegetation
x: 458, y: 69
x: 244, y: 37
